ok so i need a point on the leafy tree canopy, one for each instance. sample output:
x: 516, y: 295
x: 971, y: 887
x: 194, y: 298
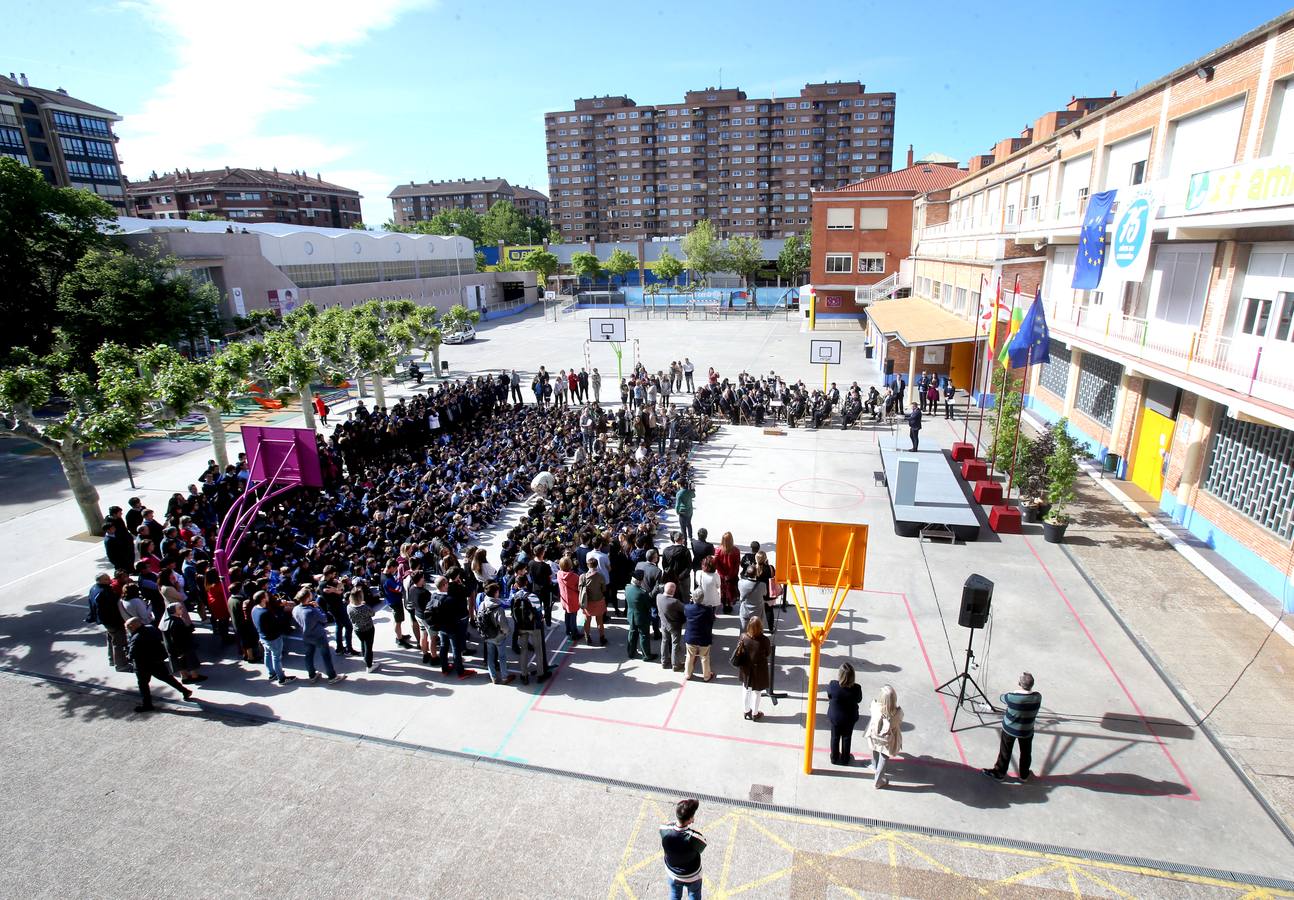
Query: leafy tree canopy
x: 44, y: 232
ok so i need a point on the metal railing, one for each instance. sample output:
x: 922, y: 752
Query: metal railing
x: 1246, y: 366
x: 881, y: 290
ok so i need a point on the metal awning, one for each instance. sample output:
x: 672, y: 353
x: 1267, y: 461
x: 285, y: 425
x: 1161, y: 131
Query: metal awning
x: 917, y: 322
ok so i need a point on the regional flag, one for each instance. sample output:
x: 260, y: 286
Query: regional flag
x: 992, y: 314
x: 1003, y: 358
x: 1032, y: 343
x: 1091, y: 241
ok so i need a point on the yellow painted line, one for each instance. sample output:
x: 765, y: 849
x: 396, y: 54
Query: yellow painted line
x: 727, y: 855
x: 1101, y: 882
x: 624, y: 856
x: 1073, y: 882
x: 1029, y: 873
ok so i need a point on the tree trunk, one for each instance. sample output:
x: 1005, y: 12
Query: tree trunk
x: 360, y: 386
x: 379, y: 391
x: 78, y: 479
x: 308, y: 406
x: 216, y: 426
x: 435, y: 360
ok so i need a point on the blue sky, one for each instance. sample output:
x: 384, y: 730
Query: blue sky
x: 377, y: 92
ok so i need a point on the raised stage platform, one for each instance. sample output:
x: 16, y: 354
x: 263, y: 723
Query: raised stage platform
x: 930, y: 494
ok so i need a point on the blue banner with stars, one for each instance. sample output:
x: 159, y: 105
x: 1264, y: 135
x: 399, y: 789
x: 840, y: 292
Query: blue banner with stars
x: 1091, y: 242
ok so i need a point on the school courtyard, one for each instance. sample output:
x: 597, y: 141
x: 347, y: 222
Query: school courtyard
x: 399, y: 783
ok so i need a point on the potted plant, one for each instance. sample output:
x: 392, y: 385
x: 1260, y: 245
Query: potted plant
x: 1062, y: 474
x: 1033, y: 476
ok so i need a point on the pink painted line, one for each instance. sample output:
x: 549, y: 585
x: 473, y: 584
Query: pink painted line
x: 1193, y: 795
x: 685, y: 731
x: 934, y: 680
x: 678, y: 695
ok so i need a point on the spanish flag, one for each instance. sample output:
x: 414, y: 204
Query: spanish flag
x: 1003, y: 352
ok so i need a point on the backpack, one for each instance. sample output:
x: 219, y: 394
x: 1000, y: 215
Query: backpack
x: 490, y: 623
x: 523, y: 611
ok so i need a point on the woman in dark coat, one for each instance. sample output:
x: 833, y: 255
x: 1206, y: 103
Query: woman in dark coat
x: 843, y: 697
x: 751, y: 658
x: 177, y: 633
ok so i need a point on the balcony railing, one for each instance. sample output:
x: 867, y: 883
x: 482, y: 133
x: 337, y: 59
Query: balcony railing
x: 1248, y: 367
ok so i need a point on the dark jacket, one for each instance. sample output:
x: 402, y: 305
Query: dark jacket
x: 146, y: 649
x: 672, y: 611
x: 106, y: 606
x: 638, y: 605
x: 271, y: 622
x: 700, y: 550
x: 682, y: 850
x: 675, y: 563
x: 842, y: 703
x: 754, y: 663
x: 699, y: 630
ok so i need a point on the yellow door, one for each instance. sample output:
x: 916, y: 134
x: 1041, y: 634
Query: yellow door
x: 1153, y: 442
x: 959, y: 364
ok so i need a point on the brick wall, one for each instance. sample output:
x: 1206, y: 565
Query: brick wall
x: 1123, y: 439
x: 1243, y: 529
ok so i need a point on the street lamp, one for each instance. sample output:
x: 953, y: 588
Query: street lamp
x: 458, y: 269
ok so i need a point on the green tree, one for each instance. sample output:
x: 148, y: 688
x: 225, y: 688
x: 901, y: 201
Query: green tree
x: 586, y: 265
x: 795, y: 258
x: 745, y: 256
x: 199, y: 216
x: 503, y: 222
x: 468, y: 222
x: 258, y: 321
x: 478, y: 261
x: 71, y: 413
x: 667, y: 266
x: 538, y: 229
x: 544, y: 265
x: 458, y: 317
x: 1005, y: 453
x: 295, y: 358
x: 1062, y: 472
x: 620, y: 263
x: 359, y: 226
x: 390, y: 225
x: 136, y: 301
x: 702, y: 250
x: 44, y: 232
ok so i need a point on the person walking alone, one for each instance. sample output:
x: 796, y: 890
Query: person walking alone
x: 361, y: 619
x: 884, y: 732
x: 682, y: 846
x: 149, y: 658
x: 1017, y: 725
x: 843, y: 697
x: 914, y: 426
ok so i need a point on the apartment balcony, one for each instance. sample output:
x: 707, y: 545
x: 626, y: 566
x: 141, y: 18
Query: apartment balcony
x: 1246, y: 374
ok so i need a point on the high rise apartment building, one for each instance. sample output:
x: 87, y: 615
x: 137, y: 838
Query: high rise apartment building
x: 69, y: 141
x: 247, y: 195
x: 418, y: 202
x: 620, y: 171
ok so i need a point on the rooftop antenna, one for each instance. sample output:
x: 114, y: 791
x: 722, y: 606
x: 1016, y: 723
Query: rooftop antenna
x: 721, y: 78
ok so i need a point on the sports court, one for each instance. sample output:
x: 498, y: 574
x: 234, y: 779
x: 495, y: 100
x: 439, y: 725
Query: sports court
x: 1120, y: 769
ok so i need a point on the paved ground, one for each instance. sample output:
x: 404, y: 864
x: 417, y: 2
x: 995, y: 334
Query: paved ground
x: 188, y: 803
x: 1124, y: 769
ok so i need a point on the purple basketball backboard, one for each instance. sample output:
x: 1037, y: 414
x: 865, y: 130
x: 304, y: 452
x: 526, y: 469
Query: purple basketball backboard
x: 285, y: 455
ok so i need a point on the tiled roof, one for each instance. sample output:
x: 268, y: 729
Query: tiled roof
x: 525, y: 193
x: 918, y: 179
x: 58, y: 98
x: 237, y: 176
x: 434, y: 188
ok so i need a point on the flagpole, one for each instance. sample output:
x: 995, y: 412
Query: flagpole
x: 989, y: 335
x: 1015, y: 446
x: 997, y: 401
x: 970, y: 391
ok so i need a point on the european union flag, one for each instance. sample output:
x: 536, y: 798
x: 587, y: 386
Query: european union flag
x: 1091, y: 242
x: 1032, y: 343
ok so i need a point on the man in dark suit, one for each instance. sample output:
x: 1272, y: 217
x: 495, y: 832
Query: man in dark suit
x: 914, y: 425
x: 149, y: 657
x: 701, y: 548
x: 676, y: 563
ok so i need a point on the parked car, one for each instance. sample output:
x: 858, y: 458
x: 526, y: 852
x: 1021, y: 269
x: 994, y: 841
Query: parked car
x: 460, y: 335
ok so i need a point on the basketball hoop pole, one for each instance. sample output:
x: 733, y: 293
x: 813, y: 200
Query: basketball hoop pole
x: 824, y: 378
x: 816, y: 636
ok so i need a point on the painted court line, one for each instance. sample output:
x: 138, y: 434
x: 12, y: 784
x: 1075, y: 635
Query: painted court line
x: 1192, y: 795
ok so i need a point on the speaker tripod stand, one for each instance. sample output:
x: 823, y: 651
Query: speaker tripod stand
x: 967, y: 687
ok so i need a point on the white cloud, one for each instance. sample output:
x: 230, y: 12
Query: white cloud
x: 237, y: 65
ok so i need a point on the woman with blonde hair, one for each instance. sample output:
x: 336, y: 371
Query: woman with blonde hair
x: 884, y: 732
x: 727, y: 562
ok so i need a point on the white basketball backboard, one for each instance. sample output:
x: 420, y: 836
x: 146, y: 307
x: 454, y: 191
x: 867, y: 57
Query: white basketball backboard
x: 823, y: 352
x: 607, y: 330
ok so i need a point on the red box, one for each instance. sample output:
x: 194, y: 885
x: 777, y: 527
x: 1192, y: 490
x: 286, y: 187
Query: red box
x: 988, y: 493
x: 974, y: 470
x: 1004, y: 519
x: 963, y: 450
